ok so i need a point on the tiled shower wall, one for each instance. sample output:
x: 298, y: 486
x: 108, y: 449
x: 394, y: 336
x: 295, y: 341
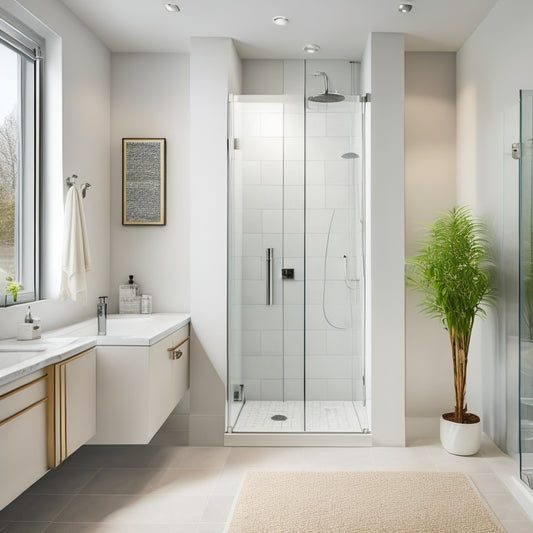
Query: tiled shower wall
x: 267, y: 210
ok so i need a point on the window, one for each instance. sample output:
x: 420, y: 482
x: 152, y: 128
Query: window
x: 20, y: 96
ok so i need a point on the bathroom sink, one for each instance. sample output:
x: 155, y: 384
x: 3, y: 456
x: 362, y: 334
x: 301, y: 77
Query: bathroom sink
x: 38, y: 345
x: 8, y: 359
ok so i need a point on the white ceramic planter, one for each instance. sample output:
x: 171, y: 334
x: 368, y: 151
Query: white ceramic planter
x: 460, y: 439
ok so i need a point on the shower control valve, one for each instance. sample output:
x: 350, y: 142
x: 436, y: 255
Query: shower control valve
x: 287, y: 273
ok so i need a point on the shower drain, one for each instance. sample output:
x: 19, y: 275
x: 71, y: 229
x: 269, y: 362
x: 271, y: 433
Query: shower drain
x: 278, y: 418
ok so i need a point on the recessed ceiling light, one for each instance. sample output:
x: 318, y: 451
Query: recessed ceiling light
x: 405, y: 8
x: 280, y: 21
x: 311, y: 48
x: 173, y: 8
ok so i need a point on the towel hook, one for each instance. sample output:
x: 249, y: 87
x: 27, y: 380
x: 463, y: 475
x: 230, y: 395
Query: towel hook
x: 71, y: 180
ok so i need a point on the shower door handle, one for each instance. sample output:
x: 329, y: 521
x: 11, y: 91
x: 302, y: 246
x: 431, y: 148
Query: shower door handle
x: 270, y: 276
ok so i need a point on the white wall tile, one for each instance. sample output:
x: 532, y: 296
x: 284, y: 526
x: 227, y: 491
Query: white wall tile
x: 339, y: 342
x: 313, y: 292
x: 339, y: 124
x: 326, y: 148
x: 271, y: 389
x: 293, y: 317
x: 315, y: 124
x: 251, y: 342
x: 294, y: 366
x: 251, y: 221
x: 293, y: 221
x: 293, y: 149
x: 261, y: 316
x: 318, y: 220
x: 247, y: 124
x: 272, y: 124
x: 272, y: 172
x: 297, y: 263
x: 315, y: 244
x: 262, y: 197
x: 339, y: 172
x: 293, y: 173
x: 294, y: 389
x: 315, y: 197
x: 293, y: 197
x: 293, y: 125
x: 293, y: 292
x: 250, y: 172
x: 293, y: 343
x: 251, y: 267
x: 315, y: 318
x: 315, y: 342
x: 253, y: 292
x: 293, y: 246
x: 340, y: 389
x: 262, y: 367
x: 272, y: 342
x: 252, y: 389
x: 252, y: 244
x: 261, y: 149
x: 272, y: 240
x: 316, y: 389
x: 328, y: 367
x: 272, y: 220
x: 339, y: 197
x: 314, y: 172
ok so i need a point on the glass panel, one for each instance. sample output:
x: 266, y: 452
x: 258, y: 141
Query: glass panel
x: 526, y: 287
x: 266, y: 322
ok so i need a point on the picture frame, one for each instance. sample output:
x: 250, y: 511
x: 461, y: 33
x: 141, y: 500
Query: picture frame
x: 143, y: 181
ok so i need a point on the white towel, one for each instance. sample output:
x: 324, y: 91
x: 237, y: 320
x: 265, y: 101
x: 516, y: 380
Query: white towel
x: 76, y: 259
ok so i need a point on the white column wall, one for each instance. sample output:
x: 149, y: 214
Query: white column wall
x: 214, y: 72
x: 382, y: 75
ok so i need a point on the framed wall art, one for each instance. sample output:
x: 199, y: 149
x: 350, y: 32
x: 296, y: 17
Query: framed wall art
x: 143, y: 182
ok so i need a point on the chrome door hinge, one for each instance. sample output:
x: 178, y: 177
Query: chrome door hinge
x: 236, y: 144
x: 516, y: 151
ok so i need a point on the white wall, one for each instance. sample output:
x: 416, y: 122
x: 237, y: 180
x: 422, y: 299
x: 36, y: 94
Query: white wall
x: 150, y: 98
x: 382, y: 75
x: 430, y: 176
x: 215, y: 71
x: 76, y: 141
x: 492, y: 66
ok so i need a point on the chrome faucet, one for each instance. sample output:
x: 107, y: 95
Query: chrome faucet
x: 101, y: 314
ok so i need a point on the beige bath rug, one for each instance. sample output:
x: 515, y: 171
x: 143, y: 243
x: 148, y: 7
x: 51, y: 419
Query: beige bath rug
x: 362, y: 502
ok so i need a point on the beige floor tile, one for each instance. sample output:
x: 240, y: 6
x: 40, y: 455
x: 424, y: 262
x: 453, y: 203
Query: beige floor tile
x: 487, y: 483
x: 200, y: 457
x: 120, y: 528
x: 145, y: 509
x: 211, y: 528
x: 218, y: 508
x: 505, y: 507
x: 518, y: 526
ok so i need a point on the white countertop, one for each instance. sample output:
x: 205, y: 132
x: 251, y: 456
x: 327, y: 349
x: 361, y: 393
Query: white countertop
x: 19, y: 358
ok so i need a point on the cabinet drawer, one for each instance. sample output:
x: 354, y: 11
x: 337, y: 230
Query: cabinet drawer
x: 22, y: 451
x: 21, y: 397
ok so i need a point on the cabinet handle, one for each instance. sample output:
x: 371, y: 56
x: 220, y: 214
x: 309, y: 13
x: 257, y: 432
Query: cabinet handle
x: 177, y: 345
x: 176, y: 354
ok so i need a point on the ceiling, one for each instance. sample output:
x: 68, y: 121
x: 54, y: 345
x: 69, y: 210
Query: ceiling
x: 340, y: 27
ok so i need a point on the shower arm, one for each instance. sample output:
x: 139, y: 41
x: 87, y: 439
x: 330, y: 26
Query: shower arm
x: 326, y: 84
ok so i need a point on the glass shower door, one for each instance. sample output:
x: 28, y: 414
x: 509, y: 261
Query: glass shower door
x: 266, y: 265
x: 526, y: 287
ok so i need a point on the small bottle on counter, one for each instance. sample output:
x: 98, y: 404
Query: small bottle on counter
x: 146, y: 304
x: 129, y: 299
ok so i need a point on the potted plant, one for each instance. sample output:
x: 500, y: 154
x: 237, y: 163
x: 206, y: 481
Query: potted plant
x: 452, y: 271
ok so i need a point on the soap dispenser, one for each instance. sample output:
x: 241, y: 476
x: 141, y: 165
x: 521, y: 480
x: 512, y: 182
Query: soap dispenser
x: 129, y: 297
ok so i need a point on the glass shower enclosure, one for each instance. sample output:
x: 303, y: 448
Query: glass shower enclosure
x: 296, y: 266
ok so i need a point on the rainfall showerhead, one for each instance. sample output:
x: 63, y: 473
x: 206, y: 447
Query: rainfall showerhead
x: 326, y: 97
x: 350, y: 155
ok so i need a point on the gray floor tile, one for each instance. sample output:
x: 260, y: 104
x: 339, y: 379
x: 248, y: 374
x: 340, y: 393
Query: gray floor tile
x: 63, y: 481
x: 25, y: 527
x: 35, y: 507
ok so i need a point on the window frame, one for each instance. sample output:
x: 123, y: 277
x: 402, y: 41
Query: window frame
x: 26, y: 43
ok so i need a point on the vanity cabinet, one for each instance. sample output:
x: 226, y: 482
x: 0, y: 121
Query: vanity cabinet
x: 138, y: 387
x: 74, y: 409
x: 23, y: 434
